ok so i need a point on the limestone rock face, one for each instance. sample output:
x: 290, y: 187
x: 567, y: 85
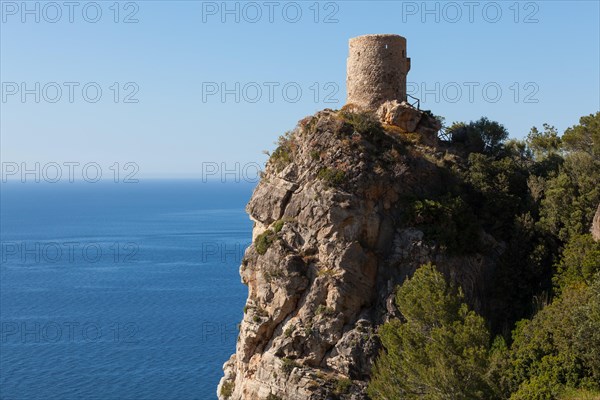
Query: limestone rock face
x: 410, y: 119
x: 596, y: 225
x: 331, y: 244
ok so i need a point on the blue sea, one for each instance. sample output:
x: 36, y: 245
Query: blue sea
x: 120, y: 291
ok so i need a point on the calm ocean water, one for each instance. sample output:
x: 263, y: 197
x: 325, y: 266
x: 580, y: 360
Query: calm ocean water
x: 119, y: 291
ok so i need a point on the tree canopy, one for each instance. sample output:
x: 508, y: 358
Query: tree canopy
x: 538, y: 197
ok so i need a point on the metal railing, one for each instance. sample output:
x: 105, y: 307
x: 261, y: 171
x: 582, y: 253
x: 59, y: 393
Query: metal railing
x: 444, y: 135
x: 416, y: 101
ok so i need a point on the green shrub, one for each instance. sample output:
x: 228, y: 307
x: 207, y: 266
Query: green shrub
x: 308, y: 329
x: 327, y: 311
x: 448, y: 221
x: 584, y: 137
x: 288, y: 365
x: 481, y: 136
x: 362, y: 121
x: 264, y: 241
x: 441, y: 349
x: 278, y: 225
x: 342, y: 386
x: 332, y: 177
x: 580, y: 261
x: 227, y: 389
x: 559, y: 348
x: 571, y: 196
x: 283, y: 154
x: 281, y: 157
x: 289, y: 330
x: 579, y: 394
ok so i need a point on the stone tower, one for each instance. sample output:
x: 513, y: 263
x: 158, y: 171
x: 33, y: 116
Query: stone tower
x: 377, y: 69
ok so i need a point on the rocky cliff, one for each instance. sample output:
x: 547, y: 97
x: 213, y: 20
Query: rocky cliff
x: 333, y: 237
x: 596, y: 225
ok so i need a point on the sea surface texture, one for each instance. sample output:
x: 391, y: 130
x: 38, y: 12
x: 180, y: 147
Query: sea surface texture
x: 120, y: 291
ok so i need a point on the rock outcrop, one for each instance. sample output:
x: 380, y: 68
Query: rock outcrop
x: 596, y: 225
x: 410, y: 119
x: 332, y: 240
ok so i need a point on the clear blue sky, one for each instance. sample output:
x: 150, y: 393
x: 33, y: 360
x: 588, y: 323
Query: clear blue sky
x: 178, y: 50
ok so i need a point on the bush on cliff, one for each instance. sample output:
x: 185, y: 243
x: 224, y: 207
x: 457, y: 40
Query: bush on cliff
x: 363, y: 122
x: 558, y: 349
x: 264, y: 241
x: 441, y: 349
x: 481, y: 136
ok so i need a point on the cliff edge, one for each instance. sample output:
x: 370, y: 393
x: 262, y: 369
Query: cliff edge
x: 335, y: 232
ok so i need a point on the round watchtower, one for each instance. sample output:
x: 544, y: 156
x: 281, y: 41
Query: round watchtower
x: 377, y: 69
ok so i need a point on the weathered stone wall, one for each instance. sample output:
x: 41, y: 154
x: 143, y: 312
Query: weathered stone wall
x: 377, y: 69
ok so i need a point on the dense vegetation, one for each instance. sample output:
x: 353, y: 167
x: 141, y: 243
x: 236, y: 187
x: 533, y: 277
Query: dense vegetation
x: 541, y: 338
